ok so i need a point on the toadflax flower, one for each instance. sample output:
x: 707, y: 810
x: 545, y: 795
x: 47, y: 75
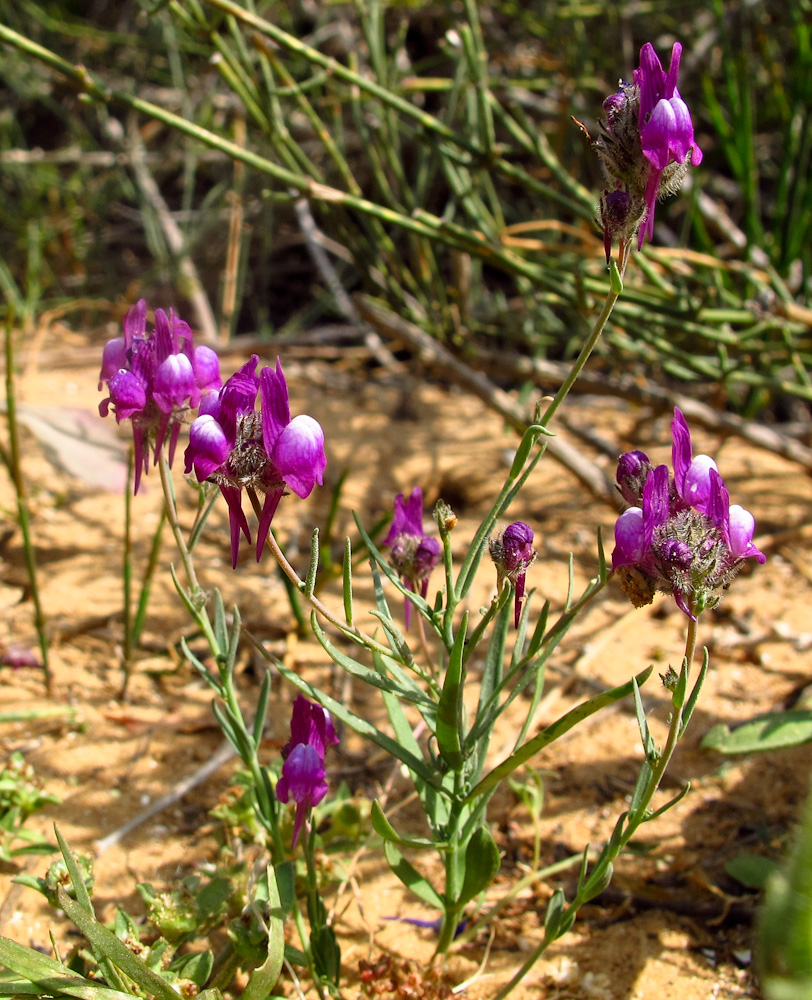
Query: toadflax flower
x: 303, y: 777
x: 682, y: 535
x: 234, y: 446
x: 646, y: 146
x: 413, y: 553
x: 512, y: 553
x: 154, y: 378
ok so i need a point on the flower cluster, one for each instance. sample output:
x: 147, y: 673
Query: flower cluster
x: 303, y: 777
x: 413, y: 553
x: 682, y: 535
x: 154, y: 378
x: 646, y: 146
x: 512, y: 553
x: 236, y: 447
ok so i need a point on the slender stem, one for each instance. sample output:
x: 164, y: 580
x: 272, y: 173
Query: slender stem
x: 177, y: 531
x: 16, y: 473
x: 674, y: 728
x: 313, y: 601
x: 609, y: 304
x: 632, y: 824
x: 127, y: 576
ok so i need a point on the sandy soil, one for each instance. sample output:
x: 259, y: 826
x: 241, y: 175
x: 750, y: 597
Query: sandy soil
x: 673, y: 924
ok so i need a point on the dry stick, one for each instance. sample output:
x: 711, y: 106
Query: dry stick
x: 315, y: 245
x: 192, y: 286
x: 649, y: 394
x: 431, y: 352
x: 222, y: 756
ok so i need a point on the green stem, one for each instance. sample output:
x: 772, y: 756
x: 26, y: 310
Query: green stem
x: 633, y: 822
x: 609, y: 304
x: 16, y: 473
x: 180, y: 541
x: 453, y: 871
x: 127, y: 571
x: 349, y: 630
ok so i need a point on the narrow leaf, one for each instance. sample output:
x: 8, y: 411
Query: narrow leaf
x: 361, y: 726
x: 263, y: 979
x: 384, y: 829
x: 552, y: 732
x: 482, y: 862
x: 105, y: 943
x: 411, y: 877
x: 450, y: 708
x: 48, y: 976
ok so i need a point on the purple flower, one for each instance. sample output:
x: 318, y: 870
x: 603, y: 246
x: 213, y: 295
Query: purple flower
x: 303, y: 777
x: 16, y: 656
x: 646, y: 145
x: 683, y: 536
x: 413, y: 553
x: 512, y: 553
x: 154, y: 379
x: 234, y: 446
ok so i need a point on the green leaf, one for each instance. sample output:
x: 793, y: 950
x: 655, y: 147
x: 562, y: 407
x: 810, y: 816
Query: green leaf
x: 78, y: 883
x: 263, y: 979
x: 385, y: 830
x: 552, y: 918
x: 262, y: 708
x: 105, y: 943
x: 49, y: 976
x: 694, y: 695
x: 285, y: 873
x: 326, y: 953
x: 360, y: 725
x: 196, y: 967
x: 552, y: 732
x: 615, y: 280
x: 482, y: 862
x: 411, y: 877
x: 450, y: 708
x: 642, y: 723
x: 295, y: 955
x: 772, y: 731
x: 752, y: 870
x: 407, y: 689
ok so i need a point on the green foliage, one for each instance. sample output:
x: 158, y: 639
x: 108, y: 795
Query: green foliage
x: 771, y: 731
x: 163, y: 955
x: 435, y: 149
x: 784, y: 944
x: 21, y: 795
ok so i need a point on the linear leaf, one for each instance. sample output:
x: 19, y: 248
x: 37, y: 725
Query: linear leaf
x: 411, y: 877
x: 552, y: 732
x: 105, y: 943
x: 48, y: 976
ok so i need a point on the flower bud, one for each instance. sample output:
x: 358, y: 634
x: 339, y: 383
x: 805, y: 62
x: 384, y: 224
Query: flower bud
x: 633, y: 468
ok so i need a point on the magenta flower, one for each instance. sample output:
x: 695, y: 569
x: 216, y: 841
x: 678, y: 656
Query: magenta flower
x: 683, y: 536
x: 413, y: 553
x: 512, y: 553
x: 303, y: 777
x: 155, y: 379
x: 234, y: 446
x: 666, y: 129
x: 646, y: 145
